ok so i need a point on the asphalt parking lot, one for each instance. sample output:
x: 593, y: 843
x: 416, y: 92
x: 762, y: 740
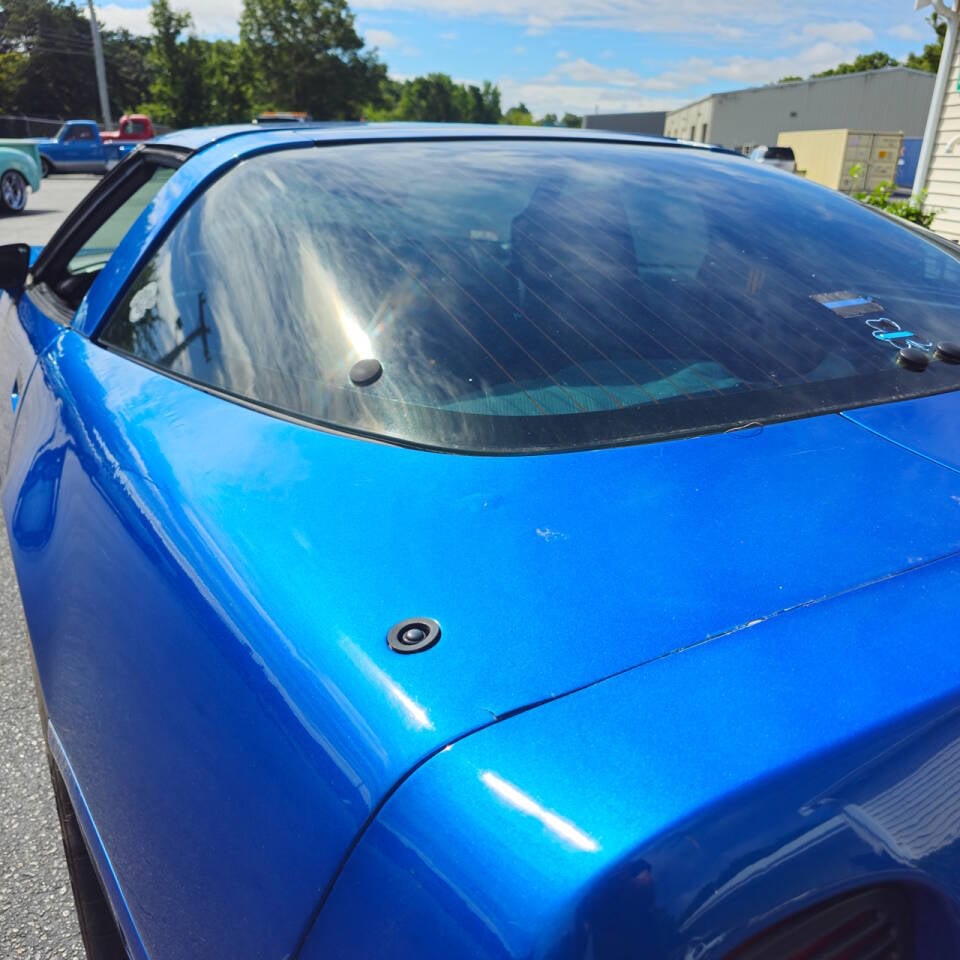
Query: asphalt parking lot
x: 37, y: 921
x: 46, y: 209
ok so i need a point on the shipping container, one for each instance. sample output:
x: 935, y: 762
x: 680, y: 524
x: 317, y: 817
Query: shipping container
x: 846, y: 160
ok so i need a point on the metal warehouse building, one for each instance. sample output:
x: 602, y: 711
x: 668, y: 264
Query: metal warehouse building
x: 894, y: 99
x: 652, y: 122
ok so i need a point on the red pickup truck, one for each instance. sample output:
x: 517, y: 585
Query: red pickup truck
x: 134, y: 126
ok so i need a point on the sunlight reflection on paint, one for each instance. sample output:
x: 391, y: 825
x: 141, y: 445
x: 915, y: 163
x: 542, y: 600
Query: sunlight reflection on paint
x: 417, y: 716
x: 523, y: 802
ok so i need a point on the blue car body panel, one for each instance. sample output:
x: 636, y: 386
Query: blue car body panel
x: 658, y: 797
x: 926, y: 426
x: 612, y: 623
x: 292, y: 742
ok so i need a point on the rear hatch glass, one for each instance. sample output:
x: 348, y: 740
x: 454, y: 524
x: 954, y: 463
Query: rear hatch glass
x: 525, y: 296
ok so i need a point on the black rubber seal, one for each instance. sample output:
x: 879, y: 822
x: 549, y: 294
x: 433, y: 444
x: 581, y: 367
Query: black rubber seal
x: 413, y: 635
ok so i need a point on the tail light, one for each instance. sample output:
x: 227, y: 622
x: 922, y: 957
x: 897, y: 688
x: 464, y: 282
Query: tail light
x: 873, y: 924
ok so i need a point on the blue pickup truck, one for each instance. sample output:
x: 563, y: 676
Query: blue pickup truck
x: 79, y: 148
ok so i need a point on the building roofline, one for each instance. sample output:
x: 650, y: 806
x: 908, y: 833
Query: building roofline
x: 797, y: 83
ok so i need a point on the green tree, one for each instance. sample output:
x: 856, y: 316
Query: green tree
x: 433, y: 97
x: 484, y: 103
x: 229, y: 81
x: 384, y: 104
x: 13, y: 65
x: 929, y: 59
x: 436, y: 98
x: 51, y: 70
x: 519, y: 116
x: 129, y: 74
x: 177, y: 91
x: 547, y: 120
x: 307, y: 55
x: 789, y: 79
x: 878, y: 60
x: 572, y: 120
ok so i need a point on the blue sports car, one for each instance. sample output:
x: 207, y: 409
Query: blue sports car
x: 467, y: 542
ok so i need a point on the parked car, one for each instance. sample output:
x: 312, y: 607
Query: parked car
x: 273, y: 116
x: 78, y: 147
x: 131, y: 128
x: 503, y: 544
x: 781, y: 157
x: 19, y: 174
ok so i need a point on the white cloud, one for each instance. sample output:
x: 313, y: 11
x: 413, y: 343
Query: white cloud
x: 520, y: 50
x: 756, y: 70
x: 906, y: 31
x: 212, y: 18
x: 449, y: 36
x: 849, y: 31
x: 562, y: 55
x: 537, y: 25
x: 725, y: 19
x: 542, y: 97
x: 582, y: 71
x: 731, y: 20
x: 383, y: 39
x: 608, y: 55
x: 579, y: 85
x: 134, y: 19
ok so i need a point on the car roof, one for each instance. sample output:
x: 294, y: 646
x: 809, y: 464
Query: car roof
x: 202, y: 138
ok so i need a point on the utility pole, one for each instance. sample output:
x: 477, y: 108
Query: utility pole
x: 101, y: 69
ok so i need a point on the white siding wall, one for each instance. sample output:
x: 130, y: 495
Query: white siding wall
x: 943, y: 181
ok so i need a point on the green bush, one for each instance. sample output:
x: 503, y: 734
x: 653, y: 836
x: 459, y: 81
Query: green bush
x: 882, y: 196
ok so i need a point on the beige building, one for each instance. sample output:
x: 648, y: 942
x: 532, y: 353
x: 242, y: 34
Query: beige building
x: 943, y: 180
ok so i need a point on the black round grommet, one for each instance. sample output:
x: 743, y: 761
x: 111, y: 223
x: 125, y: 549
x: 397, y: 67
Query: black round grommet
x: 913, y: 359
x: 413, y: 635
x: 365, y: 372
x: 948, y: 352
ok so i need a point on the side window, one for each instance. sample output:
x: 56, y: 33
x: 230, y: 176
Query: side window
x: 81, y: 248
x: 97, y: 249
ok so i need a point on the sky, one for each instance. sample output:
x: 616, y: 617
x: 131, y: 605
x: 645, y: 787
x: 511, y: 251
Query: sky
x: 606, y: 56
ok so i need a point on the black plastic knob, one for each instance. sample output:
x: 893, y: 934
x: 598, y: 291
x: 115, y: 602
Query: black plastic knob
x: 913, y: 359
x: 365, y: 372
x: 948, y: 352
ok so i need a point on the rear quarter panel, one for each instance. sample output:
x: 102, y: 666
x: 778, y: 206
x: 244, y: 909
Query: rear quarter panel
x: 681, y: 808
